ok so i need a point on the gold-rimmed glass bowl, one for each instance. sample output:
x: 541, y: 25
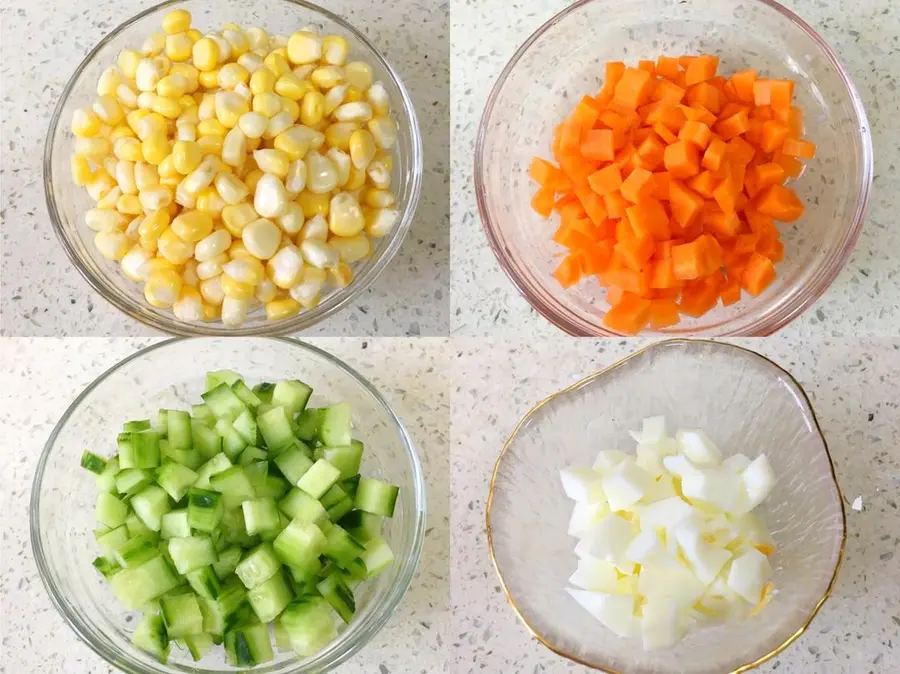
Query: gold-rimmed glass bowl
x: 747, y: 404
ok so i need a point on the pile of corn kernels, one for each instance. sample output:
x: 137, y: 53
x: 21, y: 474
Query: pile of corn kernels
x: 236, y: 167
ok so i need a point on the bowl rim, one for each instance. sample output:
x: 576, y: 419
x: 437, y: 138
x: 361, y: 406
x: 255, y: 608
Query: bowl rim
x: 566, y: 320
x: 340, y: 298
x: 603, y: 371
x: 328, y: 658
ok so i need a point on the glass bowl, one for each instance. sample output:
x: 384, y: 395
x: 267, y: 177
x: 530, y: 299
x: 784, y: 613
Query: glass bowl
x: 68, y: 202
x: 745, y: 403
x: 172, y: 374
x: 564, y: 60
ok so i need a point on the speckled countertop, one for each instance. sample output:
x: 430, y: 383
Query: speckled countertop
x: 854, y: 387
x: 43, y: 294
x: 411, y: 374
x: 865, y: 297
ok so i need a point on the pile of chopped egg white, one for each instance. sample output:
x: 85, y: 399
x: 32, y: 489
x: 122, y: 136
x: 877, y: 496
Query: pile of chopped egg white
x: 668, y: 541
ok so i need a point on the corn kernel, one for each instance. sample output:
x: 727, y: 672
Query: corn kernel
x: 155, y: 148
x: 154, y: 224
x: 273, y: 161
x: 189, y: 305
x: 359, y: 74
x: 194, y: 34
x: 163, y: 288
x: 277, y: 64
x: 209, y: 79
x: 232, y: 74
x: 236, y: 40
x: 384, y: 131
x: 231, y: 189
x: 295, y: 180
x: 210, y: 202
x: 319, y: 254
x: 345, y: 217
x: 126, y: 95
x: 92, y: 148
x: 211, y: 127
x: 341, y: 275
x: 238, y: 216
x: 352, y: 248
x: 211, y: 313
x: 251, y: 62
x: 145, y: 175
x: 290, y: 86
x: 189, y: 73
x: 156, y: 197
x: 108, y: 110
x: 315, y: 228
x: 379, y: 175
x: 321, y: 173
x: 147, y: 75
x: 356, y: 180
x: 112, y: 245
x: 278, y: 310
x: 353, y: 112
x: 234, y: 311
x: 269, y: 198
x: 167, y: 107
x: 128, y: 62
x: 335, y: 50
x: 279, y: 123
x: 172, y: 86
x: 85, y: 122
x: 129, y: 204
x: 109, y: 81
x: 213, y: 245
x: 252, y: 179
x: 354, y: 94
x: 285, y: 268
x: 378, y: 98
x: 291, y: 220
x: 121, y: 131
x: 211, y: 145
x: 179, y: 47
x: 173, y: 248
x: 212, y: 267
x: 125, y: 177
x: 326, y: 77
x: 153, y: 44
x: 380, y: 221
x: 339, y: 134
x: 234, y: 147
x: 307, y: 292
x: 291, y: 108
x: 235, y: 289
x: 267, y: 103
x: 257, y: 38
x: 211, y: 291
x: 224, y: 47
x: 313, y: 204
x: 150, y: 124
x: 192, y: 225
x: 253, y: 124
x: 262, y: 81
x: 81, y: 170
x: 229, y: 108
x: 105, y: 220
x: 206, y: 54
x: 304, y: 47
x: 342, y: 164
x: 312, y: 108
x: 176, y: 21
x: 186, y: 156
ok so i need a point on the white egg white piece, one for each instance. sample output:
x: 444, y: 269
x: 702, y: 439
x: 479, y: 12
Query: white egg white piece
x: 748, y: 575
x: 759, y: 478
x: 662, y: 624
x: 706, y: 559
x: 697, y: 446
x: 653, y: 430
x: 716, y: 487
x: 595, y: 574
x: 614, y: 611
x: 664, y: 514
x: 585, y: 516
x: 582, y: 485
x: 608, y: 459
x: 625, y: 484
x: 607, y: 540
x: 736, y: 462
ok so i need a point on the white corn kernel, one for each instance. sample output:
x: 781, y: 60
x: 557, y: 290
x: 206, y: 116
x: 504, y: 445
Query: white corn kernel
x: 257, y: 38
x: 286, y: 267
x: 153, y: 44
x: 316, y: 228
x: 239, y: 216
x: 345, y: 216
x: 108, y: 200
x: 275, y: 162
x: 261, y: 238
x: 291, y: 221
x: 234, y: 147
x: 223, y: 45
x: 189, y: 273
x: 189, y: 305
x: 335, y: 50
x: 126, y: 95
x: 145, y: 175
x: 362, y: 148
x: 210, y: 268
x: 307, y: 291
x: 199, y: 178
x: 319, y: 254
x: 113, y: 245
x: 125, y: 177
x: 109, y: 81
x: 234, y: 311
x: 212, y: 245
x: 379, y: 174
x: 295, y: 180
x: 105, y: 220
x: 341, y: 275
x: 173, y: 248
x: 342, y: 163
x: 252, y: 62
x: 351, y: 248
x: 358, y: 111
x: 378, y: 98
x: 384, y: 131
x: 147, y: 75
x: 266, y: 291
x: 129, y: 204
x: 278, y: 124
x: 247, y: 270
x: 132, y: 262
x: 211, y: 291
x: 321, y: 174
x: 229, y: 108
x: 163, y: 288
x: 100, y: 185
x: 237, y: 41
x: 335, y: 97
x: 85, y: 122
x: 92, y: 147
x: 380, y: 221
x: 207, y: 107
x: 230, y: 188
x: 253, y: 124
x: 271, y: 198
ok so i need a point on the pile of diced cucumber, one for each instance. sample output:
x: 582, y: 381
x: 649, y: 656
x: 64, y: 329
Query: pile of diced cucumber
x: 245, y: 511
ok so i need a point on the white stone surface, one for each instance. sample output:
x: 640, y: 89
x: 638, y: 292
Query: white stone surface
x: 43, y: 294
x: 854, y: 387
x: 864, y: 298
x: 41, y: 377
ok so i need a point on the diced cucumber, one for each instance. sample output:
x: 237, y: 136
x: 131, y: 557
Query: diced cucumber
x: 308, y: 422
x: 228, y: 561
x: 245, y: 425
x: 361, y: 525
x: 190, y: 458
x: 334, y: 425
x: 233, y: 443
x: 309, y: 625
x: 135, y: 587
x: 198, y: 645
x: 341, y: 547
x: 274, y: 487
x: 162, y: 422
x: 136, y: 551
x: 150, y: 635
x: 260, y: 515
x: 272, y: 534
x: 205, y: 440
x: 282, y: 640
x: 106, y: 568
x: 275, y: 428
x: 246, y: 394
x: 223, y: 403
x: 218, y: 464
x: 249, y: 645
x: 93, y: 463
x: 136, y: 426
x: 181, y: 614
x: 234, y: 485
x: 346, y: 459
x: 300, y: 506
x: 125, y: 447
x: 132, y: 480
x: 377, y: 555
x: 299, y: 544
x: 175, y: 524
x: 258, y: 566
x: 150, y: 504
x: 110, y: 511
x: 257, y: 473
x: 144, y: 449
x: 216, y: 377
x: 234, y: 531
x: 178, y: 425
x: 351, y: 485
x: 204, y: 582
x: 293, y: 464
x: 106, y: 481
x: 292, y: 394
x: 338, y: 595
x: 192, y: 552
x: 270, y: 598
x: 333, y: 496
x: 319, y: 478
x: 175, y: 479
x: 229, y: 610
x: 111, y: 540
x: 202, y: 414
x: 339, y: 509
x: 264, y: 391
x: 135, y: 526
x: 251, y: 455
x: 204, y: 509
x: 376, y: 497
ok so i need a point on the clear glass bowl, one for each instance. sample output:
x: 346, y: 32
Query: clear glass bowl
x: 68, y: 202
x: 564, y: 60
x: 172, y: 374
x: 746, y: 403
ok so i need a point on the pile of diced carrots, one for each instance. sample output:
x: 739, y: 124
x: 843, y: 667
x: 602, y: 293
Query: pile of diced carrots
x: 668, y: 184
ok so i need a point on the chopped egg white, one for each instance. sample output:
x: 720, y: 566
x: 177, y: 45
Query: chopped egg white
x: 667, y: 541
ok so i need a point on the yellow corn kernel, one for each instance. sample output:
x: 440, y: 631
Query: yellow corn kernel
x: 133, y: 119
x: 210, y: 202
x: 81, y: 170
x: 379, y: 198
x: 236, y: 40
x: 230, y: 188
x: 356, y: 179
x: 112, y: 245
x: 253, y: 124
x: 211, y: 127
x: 211, y: 312
x: 339, y: 134
x: 92, y: 148
x: 147, y: 75
x: 326, y: 77
x: 176, y: 21
x: 85, y: 122
x: 252, y: 178
x: 378, y: 98
x: 189, y: 305
x: 154, y: 224
x: 145, y: 175
x: 109, y: 81
x: 385, y: 158
x: 236, y: 217
x: 108, y: 110
x: 238, y: 251
x: 230, y: 106
x: 335, y: 50
x: 359, y: 74
x: 277, y: 63
x: 291, y: 108
x: 211, y: 291
x: 166, y: 168
x: 162, y: 288
x: 128, y: 61
x: 345, y: 217
x: 278, y: 310
x: 341, y: 275
x: 167, y: 107
x: 154, y: 44
x: 155, y: 265
x: 353, y: 94
x: 126, y: 95
x: 209, y: 79
x: 186, y: 101
x: 267, y: 103
x: 273, y: 161
x: 155, y: 148
x: 179, y: 47
x: 194, y: 34
x: 253, y: 144
x: 186, y: 156
x: 290, y: 86
x: 380, y: 221
x: 384, y: 131
x: 108, y: 200
x: 362, y: 148
x: 173, y: 248
x: 151, y: 124
x: 211, y: 145
x: 304, y: 47
x: 262, y: 81
x: 172, y: 86
x: 312, y: 108
x: 189, y: 73
x: 129, y: 204
x: 231, y: 74
x: 192, y: 225
x: 313, y: 204
x: 351, y: 248
x: 243, y: 267
x: 121, y: 131
x: 235, y: 289
x: 205, y: 54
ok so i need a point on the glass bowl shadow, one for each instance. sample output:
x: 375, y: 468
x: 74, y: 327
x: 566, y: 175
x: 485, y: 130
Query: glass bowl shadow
x: 67, y: 203
x: 746, y: 403
x: 171, y: 374
x: 563, y: 60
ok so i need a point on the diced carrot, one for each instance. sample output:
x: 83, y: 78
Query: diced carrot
x: 633, y: 89
x: 743, y: 85
x: 667, y: 66
x: 663, y: 275
x: 685, y: 203
x: 780, y: 94
x: 706, y: 95
x: 730, y: 292
x: 726, y: 193
x: 664, y: 248
x: 779, y: 202
x: 649, y: 66
x: 714, y: 154
x: 762, y: 92
x: 724, y: 225
x: 662, y: 180
x: 542, y: 202
x: 576, y: 168
x: 740, y: 151
x: 614, y: 72
x: 635, y: 251
x: 732, y: 108
x: 627, y: 279
x: 615, y: 204
x: 701, y: 69
x: 682, y: 159
x: 663, y: 314
x: 697, y: 113
x: 695, y: 132
x: 637, y: 186
x: 596, y: 257
x: 758, y: 274
x: 699, y: 297
x: 623, y: 229
x: 663, y: 132
x: 649, y: 218
x: 597, y: 145
x: 572, y: 237
x: 795, y: 147
x: 605, y: 180
x: 703, y: 184
x: 542, y: 172
x: 593, y: 204
x: 629, y: 315
x: 733, y: 126
x: 667, y: 92
x: 761, y: 176
x: 651, y: 152
x: 696, y: 259
x: 569, y: 271
x: 774, y: 134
